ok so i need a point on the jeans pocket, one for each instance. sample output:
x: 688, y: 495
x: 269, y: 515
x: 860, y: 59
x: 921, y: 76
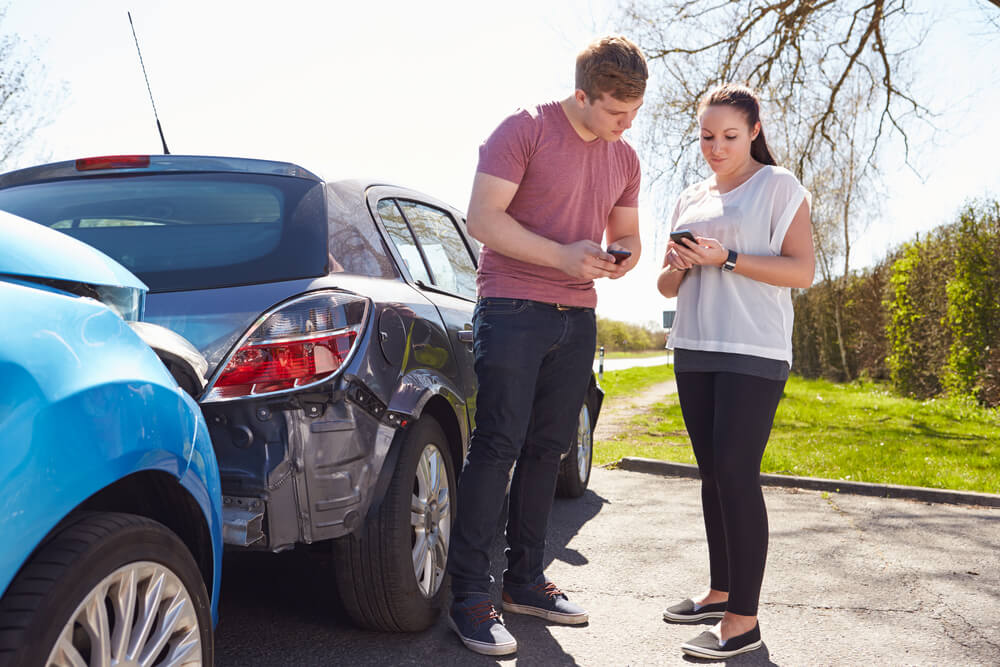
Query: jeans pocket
x: 500, y: 306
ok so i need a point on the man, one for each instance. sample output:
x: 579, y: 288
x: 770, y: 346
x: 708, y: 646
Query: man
x: 551, y: 181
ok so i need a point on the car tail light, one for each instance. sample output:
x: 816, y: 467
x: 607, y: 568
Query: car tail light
x: 301, y: 343
x: 112, y: 162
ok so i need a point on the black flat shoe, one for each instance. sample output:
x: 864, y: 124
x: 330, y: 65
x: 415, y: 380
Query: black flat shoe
x: 689, y: 612
x: 707, y: 645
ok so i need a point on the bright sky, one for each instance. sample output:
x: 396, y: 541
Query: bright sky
x: 406, y: 92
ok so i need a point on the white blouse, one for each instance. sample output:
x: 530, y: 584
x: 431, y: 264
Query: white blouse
x: 721, y: 311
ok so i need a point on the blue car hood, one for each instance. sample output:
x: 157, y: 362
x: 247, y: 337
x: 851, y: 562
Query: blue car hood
x: 34, y: 251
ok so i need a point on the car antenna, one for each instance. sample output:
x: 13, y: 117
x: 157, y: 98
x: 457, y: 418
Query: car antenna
x: 159, y: 127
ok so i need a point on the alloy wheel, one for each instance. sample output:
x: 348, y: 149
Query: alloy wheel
x: 430, y: 520
x: 140, y: 614
x: 584, y: 444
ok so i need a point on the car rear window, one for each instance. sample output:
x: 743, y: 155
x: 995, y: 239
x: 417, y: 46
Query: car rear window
x: 189, y: 231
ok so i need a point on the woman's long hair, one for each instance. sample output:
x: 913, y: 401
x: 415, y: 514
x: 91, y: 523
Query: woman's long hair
x: 744, y: 99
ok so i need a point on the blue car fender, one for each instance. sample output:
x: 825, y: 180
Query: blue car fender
x: 84, y: 403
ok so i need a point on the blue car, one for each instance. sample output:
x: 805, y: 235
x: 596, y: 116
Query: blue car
x: 110, y: 497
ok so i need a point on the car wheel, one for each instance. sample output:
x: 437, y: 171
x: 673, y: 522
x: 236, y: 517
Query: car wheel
x: 108, y: 588
x: 391, y: 573
x: 574, y: 470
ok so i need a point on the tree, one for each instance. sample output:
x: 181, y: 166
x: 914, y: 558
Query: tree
x: 811, y: 60
x: 835, y: 82
x: 25, y: 104
x: 843, y: 186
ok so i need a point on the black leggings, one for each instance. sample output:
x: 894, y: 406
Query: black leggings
x: 729, y: 418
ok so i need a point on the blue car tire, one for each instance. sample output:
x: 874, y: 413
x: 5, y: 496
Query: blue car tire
x: 108, y: 583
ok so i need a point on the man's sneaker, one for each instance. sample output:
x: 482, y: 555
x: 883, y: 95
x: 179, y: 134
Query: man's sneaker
x: 544, y: 600
x: 478, y: 625
x: 708, y: 645
x: 691, y: 612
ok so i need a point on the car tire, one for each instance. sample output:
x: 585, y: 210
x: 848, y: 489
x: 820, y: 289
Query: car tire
x: 574, y: 469
x: 92, y: 580
x: 376, y: 574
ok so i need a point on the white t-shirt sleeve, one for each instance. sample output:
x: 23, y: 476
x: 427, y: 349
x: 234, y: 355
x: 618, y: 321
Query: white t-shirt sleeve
x: 788, y: 196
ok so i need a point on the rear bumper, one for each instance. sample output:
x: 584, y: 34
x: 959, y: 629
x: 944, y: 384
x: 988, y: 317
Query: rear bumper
x: 302, y: 469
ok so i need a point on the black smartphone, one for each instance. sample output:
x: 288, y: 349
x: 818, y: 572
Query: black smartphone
x: 619, y: 255
x: 681, y: 234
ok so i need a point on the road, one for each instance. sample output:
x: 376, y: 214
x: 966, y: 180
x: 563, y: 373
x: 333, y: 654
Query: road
x: 851, y: 580
x: 622, y: 364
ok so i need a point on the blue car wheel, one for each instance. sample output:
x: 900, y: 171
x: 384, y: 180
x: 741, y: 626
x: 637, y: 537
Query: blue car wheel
x: 108, y: 588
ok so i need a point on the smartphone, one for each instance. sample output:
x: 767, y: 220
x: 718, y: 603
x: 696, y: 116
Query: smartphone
x: 681, y: 234
x: 619, y: 255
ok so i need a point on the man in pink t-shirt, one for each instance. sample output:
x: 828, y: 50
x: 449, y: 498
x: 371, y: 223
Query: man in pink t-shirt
x: 553, y: 181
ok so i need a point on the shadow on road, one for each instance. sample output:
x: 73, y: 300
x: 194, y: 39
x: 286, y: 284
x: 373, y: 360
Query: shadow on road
x: 282, y: 609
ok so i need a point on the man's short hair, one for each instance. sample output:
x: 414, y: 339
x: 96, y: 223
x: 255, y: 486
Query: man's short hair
x: 612, y: 65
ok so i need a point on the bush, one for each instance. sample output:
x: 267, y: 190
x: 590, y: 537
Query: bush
x: 624, y: 337
x: 973, y: 312
x: 814, y: 337
x: 927, y: 316
x: 918, y: 340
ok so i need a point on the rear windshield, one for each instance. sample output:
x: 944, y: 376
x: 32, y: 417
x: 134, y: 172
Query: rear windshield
x: 189, y: 231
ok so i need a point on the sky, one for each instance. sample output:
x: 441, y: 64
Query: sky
x: 406, y: 92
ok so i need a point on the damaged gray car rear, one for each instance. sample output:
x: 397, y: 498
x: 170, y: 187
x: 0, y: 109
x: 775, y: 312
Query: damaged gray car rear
x: 330, y: 331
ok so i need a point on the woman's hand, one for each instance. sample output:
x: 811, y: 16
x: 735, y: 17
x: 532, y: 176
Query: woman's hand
x: 673, y: 261
x: 705, y: 252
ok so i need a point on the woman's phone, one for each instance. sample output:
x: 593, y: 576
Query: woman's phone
x: 619, y: 255
x: 681, y: 234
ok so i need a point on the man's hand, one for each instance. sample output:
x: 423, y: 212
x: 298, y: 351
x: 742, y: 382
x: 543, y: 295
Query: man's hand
x: 625, y: 265
x: 587, y: 261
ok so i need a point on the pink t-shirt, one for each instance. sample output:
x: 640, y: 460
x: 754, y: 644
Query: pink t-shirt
x: 566, y: 190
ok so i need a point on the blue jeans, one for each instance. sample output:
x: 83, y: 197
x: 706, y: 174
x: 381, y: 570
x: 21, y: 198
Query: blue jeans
x: 533, y: 364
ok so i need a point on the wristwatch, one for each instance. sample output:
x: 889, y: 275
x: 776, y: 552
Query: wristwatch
x: 730, y: 262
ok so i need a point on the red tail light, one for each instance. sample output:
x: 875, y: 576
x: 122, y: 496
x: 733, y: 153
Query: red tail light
x: 112, y: 162
x: 300, y: 344
x: 286, y: 364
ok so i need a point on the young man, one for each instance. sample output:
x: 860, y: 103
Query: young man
x: 552, y: 180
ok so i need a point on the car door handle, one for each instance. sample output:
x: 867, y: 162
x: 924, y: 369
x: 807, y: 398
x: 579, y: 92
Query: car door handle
x: 465, y: 335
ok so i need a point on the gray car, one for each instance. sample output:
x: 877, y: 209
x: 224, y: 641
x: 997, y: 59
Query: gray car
x: 326, y: 331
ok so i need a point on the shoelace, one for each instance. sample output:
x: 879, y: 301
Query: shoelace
x: 481, y: 612
x: 549, y: 589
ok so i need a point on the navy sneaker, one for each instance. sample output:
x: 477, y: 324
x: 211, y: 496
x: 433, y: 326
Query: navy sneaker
x: 690, y: 612
x: 544, y: 600
x: 478, y: 625
x: 708, y: 645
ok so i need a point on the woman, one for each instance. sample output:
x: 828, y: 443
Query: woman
x: 732, y: 343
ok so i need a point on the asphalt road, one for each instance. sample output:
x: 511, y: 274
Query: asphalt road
x: 851, y: 580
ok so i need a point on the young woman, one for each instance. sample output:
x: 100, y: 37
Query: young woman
x: 732, y: 340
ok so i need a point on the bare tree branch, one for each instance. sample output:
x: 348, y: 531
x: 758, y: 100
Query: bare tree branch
x: 25, y: 103
x: 815, y: 62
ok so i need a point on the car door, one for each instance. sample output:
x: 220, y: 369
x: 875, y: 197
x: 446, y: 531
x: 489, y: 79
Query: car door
x: 441, y: 265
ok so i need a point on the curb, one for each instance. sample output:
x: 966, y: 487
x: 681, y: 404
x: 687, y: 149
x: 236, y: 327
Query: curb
x: 669, y: 468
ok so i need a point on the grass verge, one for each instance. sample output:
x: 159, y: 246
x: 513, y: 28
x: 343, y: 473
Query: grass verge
x: 854, y: 431
x: 633, y: 355
x: 631, y: 381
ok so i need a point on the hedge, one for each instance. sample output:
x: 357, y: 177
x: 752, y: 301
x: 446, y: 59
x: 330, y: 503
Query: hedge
x: 926, y: 318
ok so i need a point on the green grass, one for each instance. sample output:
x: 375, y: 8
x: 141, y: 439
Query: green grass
x: 633, y: 355
x: 852, y: 431
x: 633, y: 380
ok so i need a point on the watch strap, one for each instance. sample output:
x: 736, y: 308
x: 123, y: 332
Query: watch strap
x: 730, y: 262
